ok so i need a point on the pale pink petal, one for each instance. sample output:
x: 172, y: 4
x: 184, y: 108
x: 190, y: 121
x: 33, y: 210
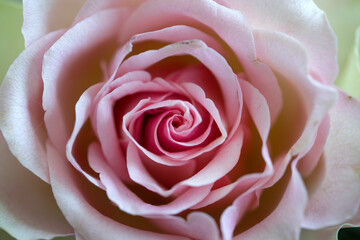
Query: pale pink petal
x: 337, y: 198
x: 258, y: 109
x: 233, y: 30
x: 83, y: 109
x: 308, y: 163
x: 74, y: 203
x: 178, y: 33
x: 103, y: 120
x: 292, y: 66
x: 165, y: 13
x: 284, y: 222
x: 75, y: 61
x: 226, y: 157
x: 232, y: 214
x: 44, y: 16
x: 91, y: 7
x: 198, y: 225
x: 140, y: 174
x: 130, y: 203
x: 287, y: 17
x: 96, y: 158
x: 21, y: 113
x: 257, y: 106
x: 27, y: 206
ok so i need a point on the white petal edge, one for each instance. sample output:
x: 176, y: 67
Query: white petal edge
x: 27, y: 206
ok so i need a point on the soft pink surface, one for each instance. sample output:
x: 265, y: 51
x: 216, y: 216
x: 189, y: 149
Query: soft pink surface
x: 177, y: 119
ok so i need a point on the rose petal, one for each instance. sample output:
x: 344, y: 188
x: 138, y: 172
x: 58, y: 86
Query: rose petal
x: 66, y: 185
x: 259, y: 112
x: 292, y: 65
x: 275, y: 225
x: 198, y: 225
x: 337, y: 198
x: 27, y: 207
x: 43, y: 16
x: 103, y: 120
x: 21, y: 113
x: 232, y: 215
x: 233, y: 29
x: 178, y: 33
x: 83, y: 109
x: 207, y: 56
x: 91, y: 7
x: 140, y: 174
x: 130, y: 84
x: 130, y: 203
x: 74, y: 60
x: 308, y: 163
x: 286, y: 17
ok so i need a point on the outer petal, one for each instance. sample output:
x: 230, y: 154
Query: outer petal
x: 92, y: 6
x: 21, y: 114
x: 284, y: 222
x: 44, y: 16
x: 82, y: 216
x: 74, y: 60
x: 315, y: 98
x: 287, y: 17
x: 27, y: 207
x: 337, y: 199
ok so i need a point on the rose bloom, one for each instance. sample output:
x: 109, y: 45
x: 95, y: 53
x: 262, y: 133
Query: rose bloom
x: 177, y: 119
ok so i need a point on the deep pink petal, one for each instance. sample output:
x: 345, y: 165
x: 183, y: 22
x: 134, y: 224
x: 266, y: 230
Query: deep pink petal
x: 21, y: 113
x: 42, y: 17
x: 106, y: 127
x: 28, y: 209
x: 337, y: 198
x: 207, y: 56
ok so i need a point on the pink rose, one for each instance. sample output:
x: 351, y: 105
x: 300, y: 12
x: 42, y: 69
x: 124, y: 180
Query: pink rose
x: 176, y: 119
